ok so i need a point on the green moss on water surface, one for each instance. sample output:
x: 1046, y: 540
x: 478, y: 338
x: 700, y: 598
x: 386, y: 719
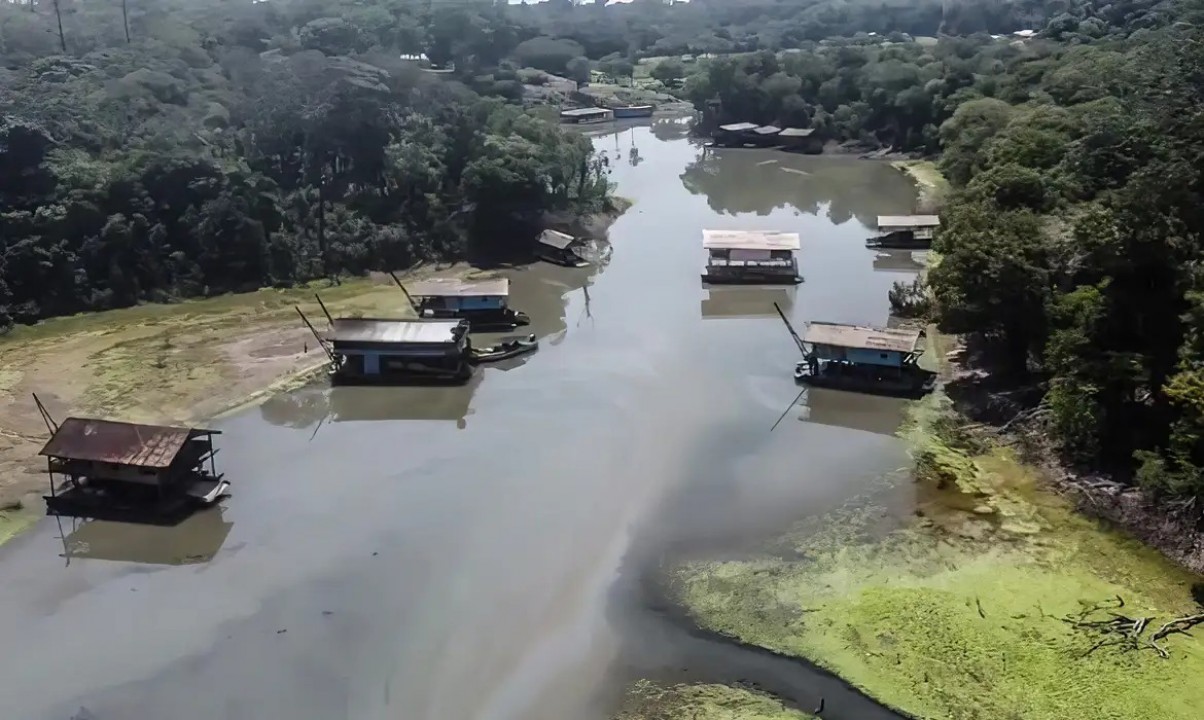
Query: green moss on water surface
x: 649, y: 701
x: 962, y: 613
x: 14, y: 518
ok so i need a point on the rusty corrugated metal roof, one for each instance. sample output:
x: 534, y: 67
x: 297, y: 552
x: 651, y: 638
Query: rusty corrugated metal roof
x: 120, y: 443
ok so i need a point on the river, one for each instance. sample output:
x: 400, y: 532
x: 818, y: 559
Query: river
x: 479, y: 553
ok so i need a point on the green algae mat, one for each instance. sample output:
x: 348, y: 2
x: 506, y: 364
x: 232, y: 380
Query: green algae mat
x: 649, y: 701
x: 995, y: 602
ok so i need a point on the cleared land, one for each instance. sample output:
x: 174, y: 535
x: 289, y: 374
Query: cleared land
x: 179, y: 363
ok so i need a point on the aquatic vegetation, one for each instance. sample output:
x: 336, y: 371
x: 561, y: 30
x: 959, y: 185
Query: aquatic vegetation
x: 14, y: 518
x: 649, y: 701
x: 969, y: 610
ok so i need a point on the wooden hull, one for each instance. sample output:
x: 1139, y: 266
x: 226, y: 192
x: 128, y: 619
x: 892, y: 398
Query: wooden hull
x: 482, y: 321
x: 508, y: 348
x: 563, y: 260
x: 910, y: 385
x: 751, y: 278
x: 635, y: 111
x: 140, y: 505
x: 888, y: 242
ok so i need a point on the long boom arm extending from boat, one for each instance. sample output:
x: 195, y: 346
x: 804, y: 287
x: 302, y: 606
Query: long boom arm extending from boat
x: 797, y: 340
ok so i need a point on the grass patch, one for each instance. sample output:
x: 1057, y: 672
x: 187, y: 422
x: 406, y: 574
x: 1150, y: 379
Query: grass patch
x: 15, y: 518
x: 933, y: 186
x: 649, y: 701
x: 962, y: 613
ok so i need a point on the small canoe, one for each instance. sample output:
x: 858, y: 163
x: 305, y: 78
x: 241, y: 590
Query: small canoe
x: 508, y: 347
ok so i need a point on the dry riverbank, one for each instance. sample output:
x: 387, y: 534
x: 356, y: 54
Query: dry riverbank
x: 178, y: 363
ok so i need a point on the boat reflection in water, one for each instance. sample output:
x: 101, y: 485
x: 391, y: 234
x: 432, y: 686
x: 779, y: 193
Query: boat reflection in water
x: 898, y: 261
x: 410, y: 403
x: 856, y: 411
x: 744, y: 302
x: 195, y: 540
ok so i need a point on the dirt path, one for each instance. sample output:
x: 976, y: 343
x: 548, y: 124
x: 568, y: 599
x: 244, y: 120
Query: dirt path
x: 182, y: 363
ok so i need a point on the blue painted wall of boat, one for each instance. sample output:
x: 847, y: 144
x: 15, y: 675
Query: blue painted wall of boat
x: 884, y: 358
x: 481, y: 303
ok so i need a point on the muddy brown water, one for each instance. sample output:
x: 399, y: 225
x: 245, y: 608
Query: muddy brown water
x: 485, y: 552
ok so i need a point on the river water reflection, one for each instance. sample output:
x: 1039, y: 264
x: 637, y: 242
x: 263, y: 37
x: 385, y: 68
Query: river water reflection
x: 455, y: 554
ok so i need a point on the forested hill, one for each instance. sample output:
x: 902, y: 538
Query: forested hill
x: 192, y: 159
x: 154, y: 149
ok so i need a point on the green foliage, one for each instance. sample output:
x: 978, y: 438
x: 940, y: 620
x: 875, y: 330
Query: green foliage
x: 1076, y: 240
x: 225, y: 149
x: 668, y: 71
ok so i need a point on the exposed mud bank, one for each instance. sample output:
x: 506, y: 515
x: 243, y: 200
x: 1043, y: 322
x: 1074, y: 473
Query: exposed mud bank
x: 185, y: 362
x: 1172, y: 529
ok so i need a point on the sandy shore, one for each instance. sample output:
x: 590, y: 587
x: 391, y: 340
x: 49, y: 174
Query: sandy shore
x: 180, y: 363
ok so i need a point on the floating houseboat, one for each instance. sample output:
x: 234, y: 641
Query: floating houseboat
x: 125, y: 472
x: 905, y: 231
x: 586, y: 116
x: 483, y: 303
x: 766, y: 136
x: 559, y: 248
x: 734, y: 134
x: 368, y: 350
x: 632, y: 111
x: 864, y: 359
x: 804, y: 140
x: 750, y: 257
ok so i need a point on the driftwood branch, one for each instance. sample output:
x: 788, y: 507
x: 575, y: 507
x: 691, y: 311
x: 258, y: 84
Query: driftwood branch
x: 1117, y: 630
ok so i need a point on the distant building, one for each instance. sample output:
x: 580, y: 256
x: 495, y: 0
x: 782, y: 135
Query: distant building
x: 559, y: 248
x: 805, y: 140
x: 905, y: 231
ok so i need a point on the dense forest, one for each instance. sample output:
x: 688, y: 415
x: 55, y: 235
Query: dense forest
x: 227, y: 147
x: 154, y: 149
x: 1073, y: 248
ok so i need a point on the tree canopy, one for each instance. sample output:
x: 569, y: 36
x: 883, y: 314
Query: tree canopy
x: 1073, y: 245
x: 232, y: 147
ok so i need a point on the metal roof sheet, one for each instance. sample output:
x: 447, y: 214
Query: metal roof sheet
x: 862, y: 337
x: 556, y: 239
x: 450, y: 287
x: 120, y: 443
x: 749, y: 240
x: 768, y: 130
x: 738, y: 127
x: 370, y: 330
x: 583, y: 112
x: 797, y: 132
x: 908, y: 221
